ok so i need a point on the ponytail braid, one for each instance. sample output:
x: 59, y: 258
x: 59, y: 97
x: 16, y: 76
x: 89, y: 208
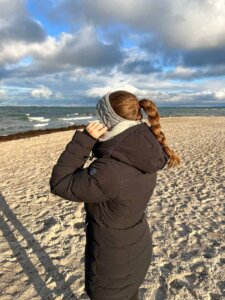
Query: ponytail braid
x: 153, y: 117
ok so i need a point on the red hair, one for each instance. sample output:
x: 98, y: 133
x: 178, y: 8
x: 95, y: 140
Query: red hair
x: 127, y: 106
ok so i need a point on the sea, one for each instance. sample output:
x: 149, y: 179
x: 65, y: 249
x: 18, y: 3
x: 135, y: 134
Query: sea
x: 16, y: 119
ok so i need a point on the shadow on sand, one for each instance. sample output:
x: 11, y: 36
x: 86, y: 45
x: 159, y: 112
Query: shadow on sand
x: 51, y: 271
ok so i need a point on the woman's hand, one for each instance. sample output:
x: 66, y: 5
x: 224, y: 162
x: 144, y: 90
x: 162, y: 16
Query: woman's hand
x: 96, y: 129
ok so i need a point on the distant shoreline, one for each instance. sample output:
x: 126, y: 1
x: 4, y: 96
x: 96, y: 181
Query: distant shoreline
x: 33, y: 133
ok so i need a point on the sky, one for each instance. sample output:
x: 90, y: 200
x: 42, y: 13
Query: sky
x: 72, y: 52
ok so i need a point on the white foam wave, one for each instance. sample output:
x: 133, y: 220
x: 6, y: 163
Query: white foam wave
x: 40, y: 119
x: 40, y: 125
x: 72, y: 114
x: 75, y: 118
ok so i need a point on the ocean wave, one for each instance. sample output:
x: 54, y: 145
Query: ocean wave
x: 75, y: 118
x: 39, y: 125
x: 14, y: 127
x: 40, y: 119
x: 72, y: 114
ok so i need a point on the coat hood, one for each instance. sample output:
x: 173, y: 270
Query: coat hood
x: 136, y: 146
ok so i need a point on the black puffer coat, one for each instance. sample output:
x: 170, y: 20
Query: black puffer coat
x: 115, y: 188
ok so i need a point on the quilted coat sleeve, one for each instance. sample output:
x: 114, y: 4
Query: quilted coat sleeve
x: 71, y: 181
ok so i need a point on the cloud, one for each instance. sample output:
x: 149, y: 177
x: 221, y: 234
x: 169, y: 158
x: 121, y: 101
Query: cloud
x: 181, y: 72
x: 184, y: 73
x: 99, y: 92
x: 139, y: 66
x: 154, y: 49
x: 88, y: 88
x: 84, y: 49
x: 220, y: 94
x: 64, y: 53
x: 203, y: 57
x: 20, y: 34
x: 17, y: 25
x: 181, y: 24
x: 3, y: 94
x: 186, y: 98
x: 14, y: 51
x: 58, y: 95
x: 41, y: 92
x: 138, y: 61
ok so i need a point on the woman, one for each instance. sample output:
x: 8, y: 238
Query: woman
x: 115, y: 188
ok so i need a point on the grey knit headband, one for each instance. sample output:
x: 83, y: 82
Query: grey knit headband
x: 106, y: 112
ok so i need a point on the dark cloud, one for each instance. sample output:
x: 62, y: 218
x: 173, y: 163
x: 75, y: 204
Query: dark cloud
x: 179, y: 24
x: 195, y: 73
x: 71, y: 11
x: 203, y: 63
x: 17, y: 25
x: 204, y: 57
x: 26, y: 30
x: 4, y: 73
x: 98, y: 55
x: 160, y: 53
x: 82, y: 49
x: 162, y: 39
x: 139, y: 67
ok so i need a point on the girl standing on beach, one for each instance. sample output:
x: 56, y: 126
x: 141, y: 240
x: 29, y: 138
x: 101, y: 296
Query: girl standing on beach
x: 116, y: 188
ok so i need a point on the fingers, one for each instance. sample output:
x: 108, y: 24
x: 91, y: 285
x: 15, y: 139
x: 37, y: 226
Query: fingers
x: 96, y: 129
x: 95, y: 125
x: 102, y: 130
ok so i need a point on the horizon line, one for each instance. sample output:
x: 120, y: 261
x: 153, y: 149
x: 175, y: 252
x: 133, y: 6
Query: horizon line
x: 95, y: 106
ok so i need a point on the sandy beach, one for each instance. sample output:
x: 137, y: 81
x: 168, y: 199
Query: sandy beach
x: 42, y: 236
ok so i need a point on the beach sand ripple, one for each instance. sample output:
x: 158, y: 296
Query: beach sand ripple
x: 42, y: 236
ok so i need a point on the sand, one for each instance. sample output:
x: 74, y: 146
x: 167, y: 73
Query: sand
x: 42, y: 236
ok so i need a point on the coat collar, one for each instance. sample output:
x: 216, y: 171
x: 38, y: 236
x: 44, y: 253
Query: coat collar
x: 118, y: 128
x: 136, y: 146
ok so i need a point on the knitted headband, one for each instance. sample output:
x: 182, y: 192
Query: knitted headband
x: 106, y: 113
